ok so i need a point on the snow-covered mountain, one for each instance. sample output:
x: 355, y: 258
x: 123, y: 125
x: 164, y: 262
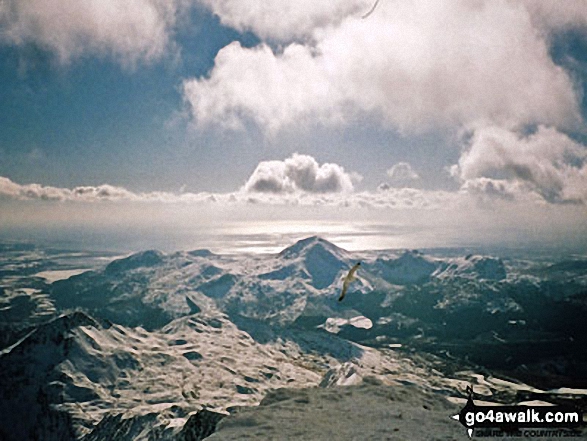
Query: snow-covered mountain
x: 404, y: 294
x: 85, y: 370
x: 151, y: 288
x: 163, y: 346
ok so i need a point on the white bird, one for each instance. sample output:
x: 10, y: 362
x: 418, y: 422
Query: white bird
x: 350, y: 277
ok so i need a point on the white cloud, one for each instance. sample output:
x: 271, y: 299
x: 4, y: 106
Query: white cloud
x: 255, y: 84
x: 482, y: 67
x: 402, y: 173
x: 546, y: 162
x: 10, y: 190
x: 129, y: 30
x: 299, y: 173
x: 416, y: 65
x: 402, y: 217
x: 283, y: 19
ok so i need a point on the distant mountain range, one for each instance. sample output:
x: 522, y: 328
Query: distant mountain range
x: 162, y: 346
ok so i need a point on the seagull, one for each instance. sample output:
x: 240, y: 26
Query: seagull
x: 371, y: 10
x: 348, y: 279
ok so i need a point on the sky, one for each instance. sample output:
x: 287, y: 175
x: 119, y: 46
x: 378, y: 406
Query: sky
x: 245, y: 124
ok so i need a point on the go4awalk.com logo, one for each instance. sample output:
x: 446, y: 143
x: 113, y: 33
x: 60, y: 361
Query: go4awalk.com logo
x: 512, y: 419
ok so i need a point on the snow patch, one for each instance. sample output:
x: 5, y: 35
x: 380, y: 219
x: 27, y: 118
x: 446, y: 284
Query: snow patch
x: 334, y: 324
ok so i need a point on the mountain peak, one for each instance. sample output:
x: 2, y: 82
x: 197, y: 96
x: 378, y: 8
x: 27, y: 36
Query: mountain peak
x: 410, y: 267
x: 67, y: 322
x: 143, y: 259
x: 321, y: 259
x: 201, y: 253
x: 54, y: 331
x: 305, y: 245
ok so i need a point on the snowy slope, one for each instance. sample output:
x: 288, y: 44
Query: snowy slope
x: 364, y: 412
x: 85, y: 370
x: 82, y: 378
x: 82, y: 374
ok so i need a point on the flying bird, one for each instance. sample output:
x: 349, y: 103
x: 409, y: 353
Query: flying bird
x: 371, y: 10
x: 348, y: 279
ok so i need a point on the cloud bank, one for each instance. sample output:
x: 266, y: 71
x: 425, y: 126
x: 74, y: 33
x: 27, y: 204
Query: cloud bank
x: 404, y: 217
x: 544, y: 166
x: 10, y: 190
x: 487, y: 210
x: 295, y: 182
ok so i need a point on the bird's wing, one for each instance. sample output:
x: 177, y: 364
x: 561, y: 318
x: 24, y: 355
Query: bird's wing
x: 347, y: 280
x: 345, y: 287
x: 353, y: 270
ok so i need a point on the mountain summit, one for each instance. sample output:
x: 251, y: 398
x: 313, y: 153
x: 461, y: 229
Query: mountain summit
x: 322, y: 259
x: 307, y: 245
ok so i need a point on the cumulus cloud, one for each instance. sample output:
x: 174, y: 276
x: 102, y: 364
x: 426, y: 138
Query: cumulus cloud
x: 299, y: 180
x: 299, y: 173
x: 130, y: 30
x: 402, y: 173
x: 546, y: 162
x: 416, y: 65
x: 258, y: 85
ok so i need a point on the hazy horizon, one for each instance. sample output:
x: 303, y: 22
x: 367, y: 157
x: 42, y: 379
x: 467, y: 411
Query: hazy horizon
x: 271, y: 238
x: 242, y: 126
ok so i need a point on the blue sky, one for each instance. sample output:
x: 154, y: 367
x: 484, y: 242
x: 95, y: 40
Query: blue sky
x: 277, y: 111
x: 92, y: 120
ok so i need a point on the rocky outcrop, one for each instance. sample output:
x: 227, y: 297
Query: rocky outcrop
x: 200, y: 426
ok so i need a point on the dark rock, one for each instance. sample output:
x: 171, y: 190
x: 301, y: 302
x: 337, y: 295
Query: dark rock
x: 200, y: 426
x: 193, y: 355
